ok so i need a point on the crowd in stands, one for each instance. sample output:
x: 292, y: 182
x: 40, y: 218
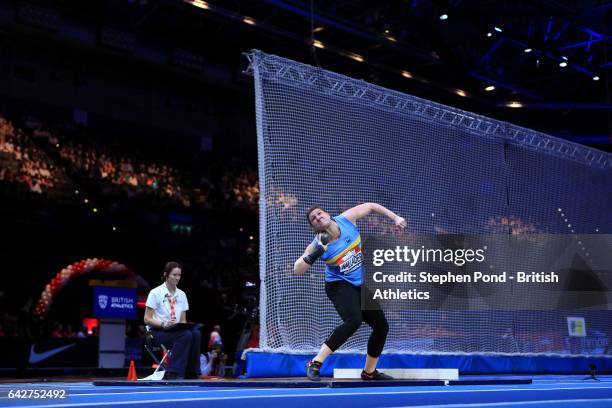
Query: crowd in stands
x: 39, y: 157
x: 242, y: 189
x: 503, y: 224
x: 120, y: 174
x: 23, y: 163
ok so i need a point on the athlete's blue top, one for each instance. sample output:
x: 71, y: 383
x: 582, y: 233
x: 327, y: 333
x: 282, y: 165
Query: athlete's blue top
x: 343, y: 258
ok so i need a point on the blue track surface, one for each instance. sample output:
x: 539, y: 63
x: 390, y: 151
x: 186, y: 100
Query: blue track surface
x: 558, y: 392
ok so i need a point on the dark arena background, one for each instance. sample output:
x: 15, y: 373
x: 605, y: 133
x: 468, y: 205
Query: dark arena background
x: 138, y: 132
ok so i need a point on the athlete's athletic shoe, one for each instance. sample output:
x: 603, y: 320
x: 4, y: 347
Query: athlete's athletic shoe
x: 375, y: 375
x: 313, y: 370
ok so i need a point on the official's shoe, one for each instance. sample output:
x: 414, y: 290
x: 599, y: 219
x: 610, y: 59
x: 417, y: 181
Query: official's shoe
x: 172, y: 376
x: 313, y: 370
x: 374, y: 376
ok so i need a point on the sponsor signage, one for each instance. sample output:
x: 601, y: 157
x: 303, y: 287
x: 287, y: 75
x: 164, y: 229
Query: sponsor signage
x: 114, y: 302
x: 57, y: 352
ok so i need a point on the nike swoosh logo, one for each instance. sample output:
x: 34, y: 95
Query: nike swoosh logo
x: 38, y: 357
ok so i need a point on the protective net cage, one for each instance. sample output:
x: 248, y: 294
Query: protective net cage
x: 331, y: 140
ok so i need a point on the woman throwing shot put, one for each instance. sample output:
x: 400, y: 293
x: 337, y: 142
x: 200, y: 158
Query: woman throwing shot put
x: 338, y: 244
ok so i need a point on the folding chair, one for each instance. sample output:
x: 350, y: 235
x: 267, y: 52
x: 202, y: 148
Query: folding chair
x: 153, y: 348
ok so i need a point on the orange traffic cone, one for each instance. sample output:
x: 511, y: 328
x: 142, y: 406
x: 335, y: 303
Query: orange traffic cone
x: 132, y: 376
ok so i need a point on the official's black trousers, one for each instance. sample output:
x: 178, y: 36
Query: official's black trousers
x: 347, y: 301
x: 185, y: 346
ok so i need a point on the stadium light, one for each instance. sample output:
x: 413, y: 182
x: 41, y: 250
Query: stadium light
x: 490, y: 88
x: 563, y: 64
x: 444, y: 17
x: 356, y: 57
x: 198, y: 3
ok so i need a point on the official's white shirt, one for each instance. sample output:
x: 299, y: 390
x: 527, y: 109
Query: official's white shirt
x: 159, y: 300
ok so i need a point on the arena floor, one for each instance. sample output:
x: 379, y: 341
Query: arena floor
x: 543, y: 391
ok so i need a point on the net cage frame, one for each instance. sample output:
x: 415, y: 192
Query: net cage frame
x: 275, y: 69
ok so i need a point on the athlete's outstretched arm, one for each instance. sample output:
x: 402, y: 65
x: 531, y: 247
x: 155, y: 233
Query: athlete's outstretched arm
x: 358, y: 212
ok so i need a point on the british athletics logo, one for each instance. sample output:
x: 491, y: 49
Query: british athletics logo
x: 114, y: 302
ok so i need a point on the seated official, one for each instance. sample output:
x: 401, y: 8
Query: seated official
x: 166, y: 306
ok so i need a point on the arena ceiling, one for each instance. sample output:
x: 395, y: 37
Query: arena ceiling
x: 539, y: 63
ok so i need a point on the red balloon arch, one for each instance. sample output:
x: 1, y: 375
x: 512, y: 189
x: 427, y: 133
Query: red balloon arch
x: 82, y: 267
